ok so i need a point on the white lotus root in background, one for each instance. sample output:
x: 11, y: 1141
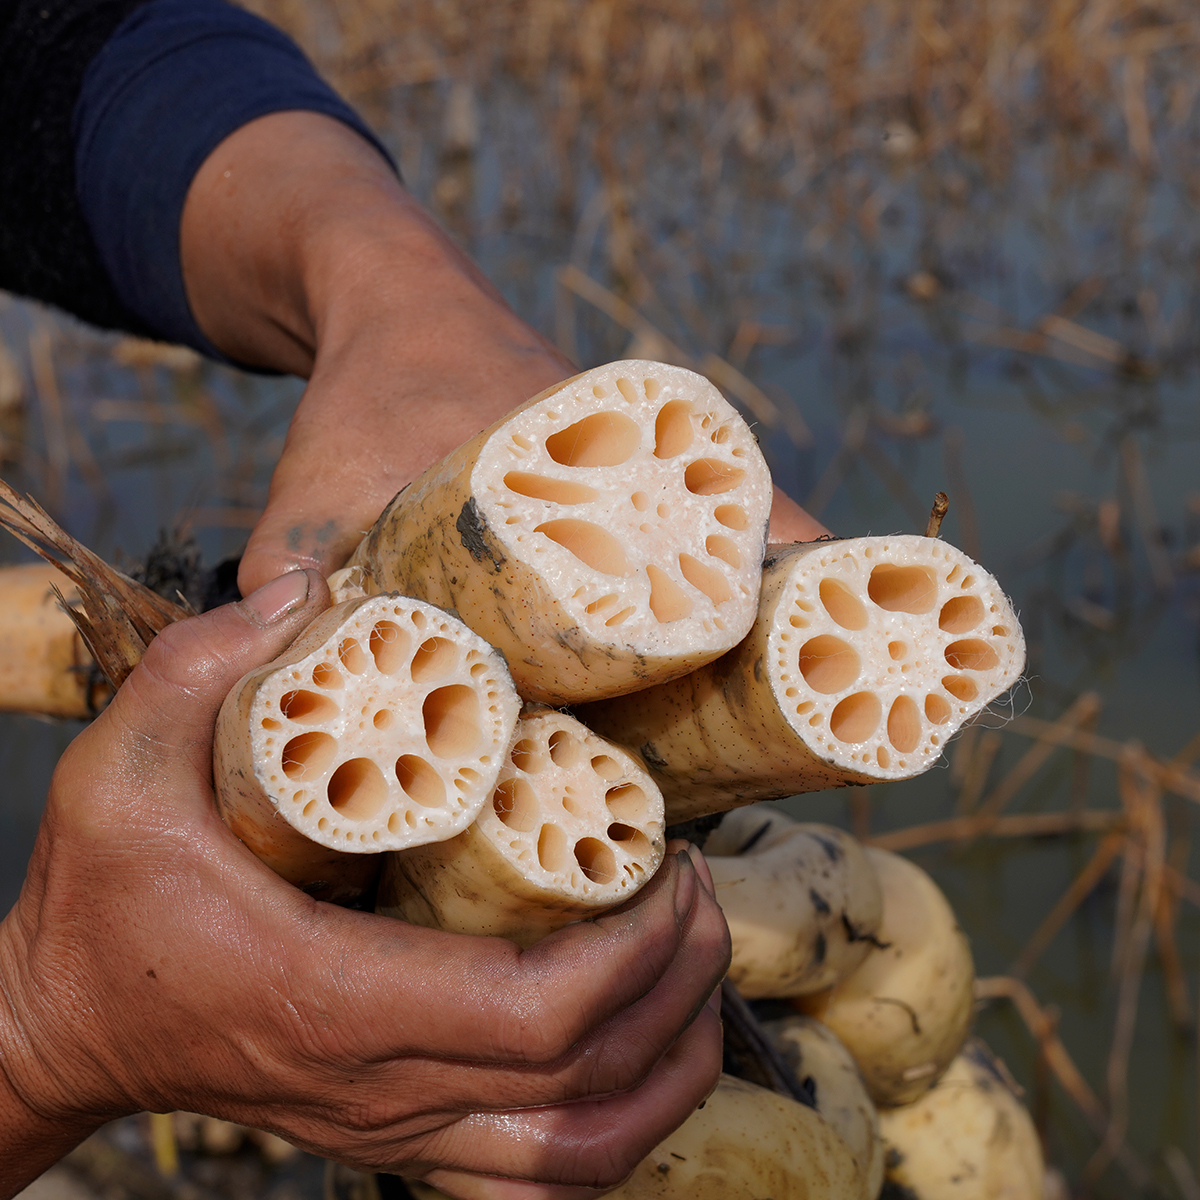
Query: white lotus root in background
x: 820, y: 1062
x: 905, y: 1012
x: 383, y: 726
x: 968, y: 1138
x: 574, y: 827
x: 746, y: 1143
x: 606, y: 535
x: 802, y: 901
x: 867, y: 656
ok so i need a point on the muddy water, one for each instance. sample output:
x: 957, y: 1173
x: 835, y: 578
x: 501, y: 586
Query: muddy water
x: 916, y: 358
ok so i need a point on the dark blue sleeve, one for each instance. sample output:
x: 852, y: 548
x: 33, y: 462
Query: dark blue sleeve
x: 175, y: 79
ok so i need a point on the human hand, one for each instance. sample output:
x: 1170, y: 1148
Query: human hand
x: 152, y: 962
x: 302, y: 252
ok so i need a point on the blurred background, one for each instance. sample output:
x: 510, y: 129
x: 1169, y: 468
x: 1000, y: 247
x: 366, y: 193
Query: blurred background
x: 923, y: 245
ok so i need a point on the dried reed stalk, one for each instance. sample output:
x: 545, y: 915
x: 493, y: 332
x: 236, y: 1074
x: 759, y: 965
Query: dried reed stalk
x: 119, y: 616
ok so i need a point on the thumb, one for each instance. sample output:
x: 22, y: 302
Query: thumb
x: 170, y: 701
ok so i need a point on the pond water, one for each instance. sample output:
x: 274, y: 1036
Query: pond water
x: 1024, y: 340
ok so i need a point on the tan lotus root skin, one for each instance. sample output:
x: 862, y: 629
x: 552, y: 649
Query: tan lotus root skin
x: 867, y: 656
x: 574, y: 827
x: 606, y: 535
x: 383, y: 726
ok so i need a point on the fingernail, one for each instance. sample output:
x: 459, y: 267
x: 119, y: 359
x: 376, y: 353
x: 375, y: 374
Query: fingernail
x: 685, y: 887
x: 701, y: 865
x: 275, y: 600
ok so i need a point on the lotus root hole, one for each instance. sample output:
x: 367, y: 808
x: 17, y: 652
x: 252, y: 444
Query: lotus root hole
x: 308, y: 708
x: 651, y: 387
x: 307, y: 756
x: 593, y: 546
x: 828, y: 664
x: 566, y: 750
x: 617, y: 618
x: 325, y: 675
x: 972, y: 654
x: 634, y: 841
x: 999, y: 631
x: 626, y: 802
x: 552, y: 849
x: 383, y: 719
x: 270, y: 723
x: 711, y: 477
x: 936, y: 709
x: 856, y: 718
x: 352, y: 657
x: 605, y: 601
x: 516, y: 804
x: 451, y: 716
x: 668, y: 601
x: 604, y: 439
x: 706, y: 579
x: 357, y: 789
x: 421, y: 781
x: 903, y: 589
x: 842, y: 604
x: 435, y: 658
x: 526, y: 756
x: 607, y: 768
x: 732, y: 516
x: 904, y: 724
x: 723, y: 548
x: 883, y: 758
x: 960, y: 687
x: 961, y: 614
x: 897, y: 650
x: 557, y: 491
x: 595, y: 859
x: 626, y: 388
x: 673, y: 429
x: 640, y: 501
x: 389, y: 646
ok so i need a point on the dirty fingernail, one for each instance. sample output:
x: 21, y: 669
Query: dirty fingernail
x: 685, y: 887
x: 273, y: 601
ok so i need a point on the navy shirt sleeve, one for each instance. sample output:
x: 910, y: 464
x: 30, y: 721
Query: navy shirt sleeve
x: 175, y: 79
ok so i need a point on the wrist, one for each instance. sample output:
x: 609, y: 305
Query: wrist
x: 38, y: 1125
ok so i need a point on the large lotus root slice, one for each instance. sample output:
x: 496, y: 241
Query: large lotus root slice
x: 383, y: 726
x: 867, y: 656
x: 606, y: 535
x: 574, y: 827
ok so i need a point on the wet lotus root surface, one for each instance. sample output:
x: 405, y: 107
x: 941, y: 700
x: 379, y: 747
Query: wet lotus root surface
x: 390, y: 734
x: 641, y: 497
x: 883, y: 647
x: 574, y: 813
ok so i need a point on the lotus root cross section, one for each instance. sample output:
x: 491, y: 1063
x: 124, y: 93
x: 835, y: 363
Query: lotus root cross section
x: 882, y: 647
x: 576, y: 816
x: 641, y: 498
x: 389, y: 733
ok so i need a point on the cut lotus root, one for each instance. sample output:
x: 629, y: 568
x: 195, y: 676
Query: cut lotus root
x: 606, y: 535
x: 867, y: 656
x: 574, y: 827
x: 383, y: 726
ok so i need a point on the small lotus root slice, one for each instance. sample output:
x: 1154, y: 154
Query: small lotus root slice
x: 882, y: 647
x: 575, y: 827
x: 606, y: 535
x: 383, y: 726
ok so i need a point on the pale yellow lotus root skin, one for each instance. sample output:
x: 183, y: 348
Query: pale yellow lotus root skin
x: 574, y: 827
x: 747, y: 1143
x: 906, y: 1011
x: 968, y: 1138
x: 44, y: 666
x: 822, y: 1064
x: 383, y: 726
x: 606, y: 535
x: 802, y: 901
x: 867, y: 656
